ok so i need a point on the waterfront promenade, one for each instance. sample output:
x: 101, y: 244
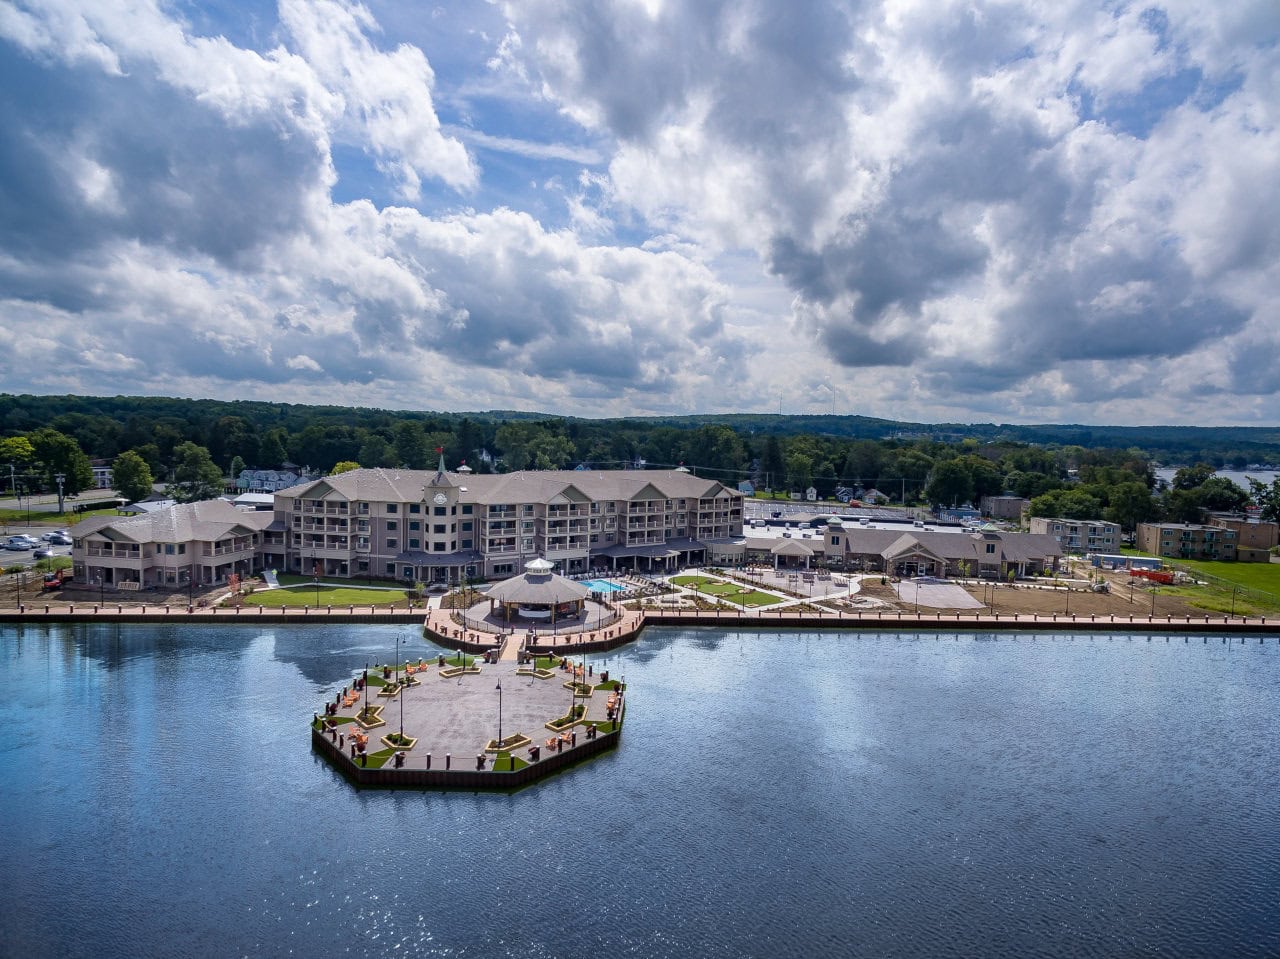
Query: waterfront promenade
x: 633, y: 622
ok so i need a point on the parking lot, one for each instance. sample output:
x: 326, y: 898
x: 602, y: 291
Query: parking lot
x: 10, y: 557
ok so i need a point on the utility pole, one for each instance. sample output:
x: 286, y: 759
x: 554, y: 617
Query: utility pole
x: 60, y: 477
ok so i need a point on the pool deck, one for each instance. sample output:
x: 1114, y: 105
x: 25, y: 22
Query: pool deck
x: 454, y: 718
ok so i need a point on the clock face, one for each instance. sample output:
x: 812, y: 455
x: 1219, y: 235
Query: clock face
x: 440, y: 499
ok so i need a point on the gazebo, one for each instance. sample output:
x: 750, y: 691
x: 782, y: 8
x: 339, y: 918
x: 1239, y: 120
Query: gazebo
x: 537, y: 593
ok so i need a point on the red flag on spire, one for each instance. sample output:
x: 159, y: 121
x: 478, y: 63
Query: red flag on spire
x: 439, y: 449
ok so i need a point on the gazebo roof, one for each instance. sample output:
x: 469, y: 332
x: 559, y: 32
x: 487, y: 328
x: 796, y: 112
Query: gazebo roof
x: 538, y: 585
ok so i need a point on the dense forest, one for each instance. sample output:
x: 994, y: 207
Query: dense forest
x: 191, y: 445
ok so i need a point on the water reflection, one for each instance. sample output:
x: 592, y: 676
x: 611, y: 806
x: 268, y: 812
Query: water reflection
x: 776, y: 794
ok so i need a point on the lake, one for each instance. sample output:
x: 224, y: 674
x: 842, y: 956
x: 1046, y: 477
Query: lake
x: 1239, y: 477
x: 775, y: 794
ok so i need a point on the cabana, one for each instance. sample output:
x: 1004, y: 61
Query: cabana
x: 539, y: 593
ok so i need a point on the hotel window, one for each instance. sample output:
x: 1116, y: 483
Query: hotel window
x: 392, y: 508
x: 526, y: 543
x: 391, y: 543
x: 527, y: 509
x: 438, y: 548
x: 391, y: 569
x: 466, y: 509
x: 991, y: 547
x: 438, y: 529
x: 414, y: 526
x: 391, y: 526
x: 466, y: 527
x: 415, y: 508
x: 414, y: 543
x: 438, y: 511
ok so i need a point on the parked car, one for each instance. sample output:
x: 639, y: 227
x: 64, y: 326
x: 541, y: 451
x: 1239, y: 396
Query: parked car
x: 21, y: 542
x: 60, y: 539
x: 44, y: 552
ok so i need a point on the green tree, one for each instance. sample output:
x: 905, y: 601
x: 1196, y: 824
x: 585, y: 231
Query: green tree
x: 59, y: 455
x: 771, y: 463
x: 346, y: 466
x: 1219, y: 493
x: 17, y: 451
x: 271, y: 451
x: 1189, y: 477
x: 1067, y: 504
x: 551, y: 452
x: 237, y: 467
x: 950, y: 483
x: 1267, y: 498
x: 377, y: 451
x: 131, y: 475
x: 1130, y: 504
x: 799, y: 472
x: 1182, y: 506
x: 195, y: 475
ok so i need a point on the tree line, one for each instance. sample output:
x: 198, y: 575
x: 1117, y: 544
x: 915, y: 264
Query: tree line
x: 194, y: 446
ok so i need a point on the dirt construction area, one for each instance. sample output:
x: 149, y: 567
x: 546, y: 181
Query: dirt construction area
x: 1046, y: 599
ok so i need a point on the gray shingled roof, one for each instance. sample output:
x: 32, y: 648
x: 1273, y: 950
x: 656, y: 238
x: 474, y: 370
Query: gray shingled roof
x: 528, y: 486
x: 537, y: 589
x: 206, y: 521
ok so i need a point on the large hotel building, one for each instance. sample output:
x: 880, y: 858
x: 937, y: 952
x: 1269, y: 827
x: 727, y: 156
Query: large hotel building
x: 439, y: 526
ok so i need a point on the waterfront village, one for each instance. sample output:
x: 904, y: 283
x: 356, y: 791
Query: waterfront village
x: 521, y: 575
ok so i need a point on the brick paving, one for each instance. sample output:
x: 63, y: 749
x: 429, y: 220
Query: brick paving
x: 459, y: 715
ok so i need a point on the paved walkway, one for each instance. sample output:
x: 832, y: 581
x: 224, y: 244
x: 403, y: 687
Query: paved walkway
x: 460, y: 715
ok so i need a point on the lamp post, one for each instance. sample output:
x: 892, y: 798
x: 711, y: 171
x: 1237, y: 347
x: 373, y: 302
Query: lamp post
x: 402, y: 691
x: 60, y: 477
x: 1154, y: 589
x: 1234, y: 590
x: 400, y: 694
x: 500, y: 740
x: 315, y: 576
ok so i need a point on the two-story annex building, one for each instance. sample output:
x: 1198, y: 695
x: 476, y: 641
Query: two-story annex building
x: 190, y: 544
x: 445, y: 527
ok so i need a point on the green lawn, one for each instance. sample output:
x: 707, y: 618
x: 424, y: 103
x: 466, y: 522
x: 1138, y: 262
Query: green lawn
x: 20, y: 517
x: 1264, y: 577
x: 727, y: 590
x: 293, y: 579
x: 327, y: 596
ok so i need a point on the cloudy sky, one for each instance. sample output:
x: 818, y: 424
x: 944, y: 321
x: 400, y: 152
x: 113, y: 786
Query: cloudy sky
x: 975, y: 210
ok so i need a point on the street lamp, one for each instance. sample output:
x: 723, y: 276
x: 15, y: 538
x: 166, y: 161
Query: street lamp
x: 500, y: 740
x: 402, y: 692
x: 60, y: 477
x: 1234, y: 590
x: 315, y: 576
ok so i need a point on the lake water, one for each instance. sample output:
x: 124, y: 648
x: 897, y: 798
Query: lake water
x: 1239, y: 477
x: 776, y: 794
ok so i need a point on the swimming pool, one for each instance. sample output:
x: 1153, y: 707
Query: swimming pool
x: 603, y: 586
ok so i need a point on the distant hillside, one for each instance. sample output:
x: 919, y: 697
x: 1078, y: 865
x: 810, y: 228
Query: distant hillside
x: 1169, y: 444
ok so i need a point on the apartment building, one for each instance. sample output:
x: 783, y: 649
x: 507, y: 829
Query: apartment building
x: 1003, y: 507
x: 440, y: 526
x: 1080, y: 535
x: 187, y: 544
x: 1250, y: 533
x: 1187, y: 541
